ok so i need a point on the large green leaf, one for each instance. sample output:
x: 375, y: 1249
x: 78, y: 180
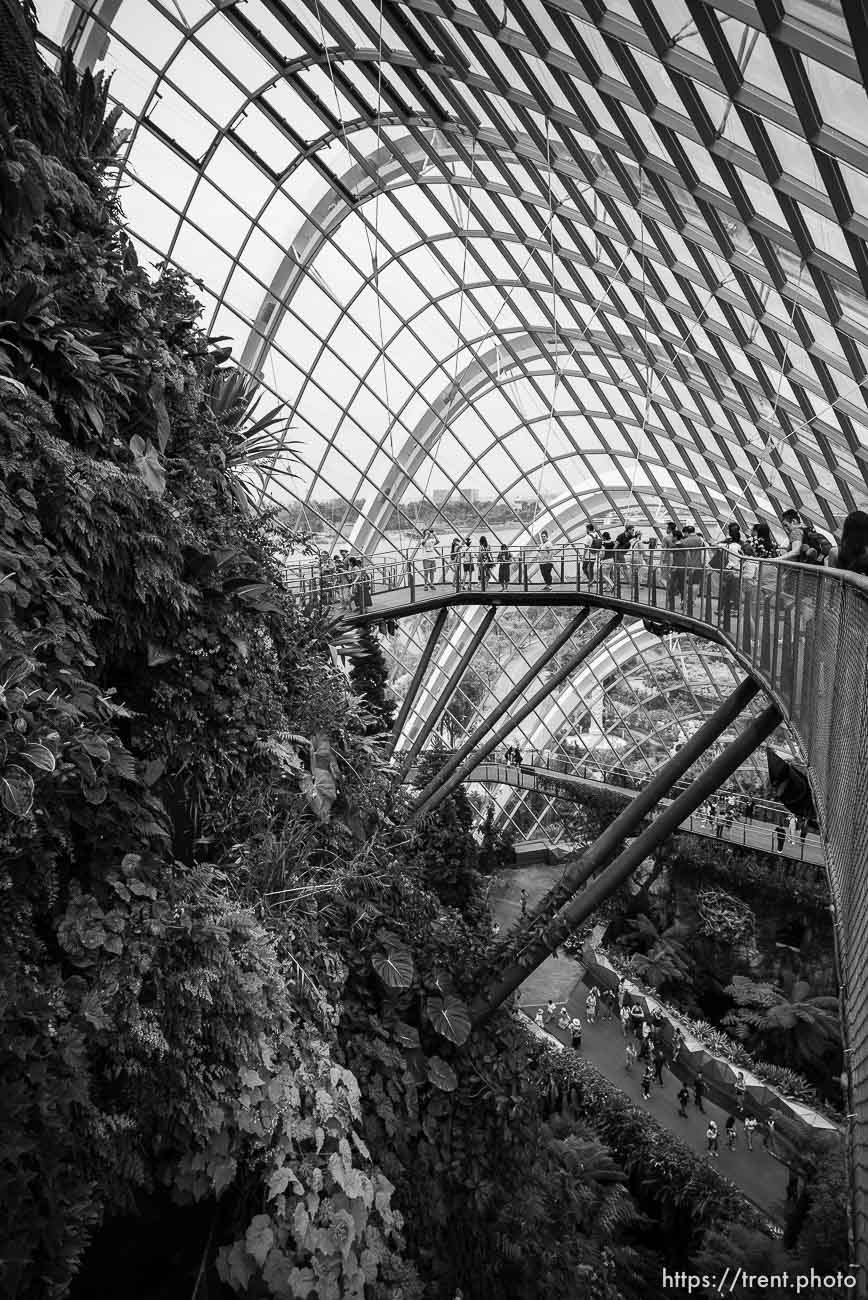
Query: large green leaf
x: 442, y: 1075
x: 40, y: 756
x: 395, y: 968
x: 16, y: 790
x: 450, y: 1018
x: 406, y: 1035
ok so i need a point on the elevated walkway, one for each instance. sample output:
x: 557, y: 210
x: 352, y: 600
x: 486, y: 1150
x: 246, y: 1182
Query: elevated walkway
x: 752, y: 833
x: 799, y: 631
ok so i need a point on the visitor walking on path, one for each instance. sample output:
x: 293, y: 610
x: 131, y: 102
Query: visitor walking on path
x: 683, y: 1099
x: 749, y: 1129
x: 523, y: 896
x: 699, y: 1092
x: 564, y: 1021
x: 730, y: 1132
x: 637, y: 1015
x: 607, y: 1003
x: 539, y: 1018
x: 769, y: 1135
x: 576, y: 1034
x: 659, y: 1061
x: 591, y: 1005
x: 740, y: 1090
x: 647, y: 1080
x: 551, y: 1011
x: 629, y: 1055
x: 625, y: 1021
x: 712, y: 1139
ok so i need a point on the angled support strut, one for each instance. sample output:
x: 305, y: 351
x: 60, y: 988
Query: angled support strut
x: 421, y: 668
x: 505, y: 704
x: 442, y: 702
x: 494, y: 738
x: 604, y: 848
x: 580, y: 908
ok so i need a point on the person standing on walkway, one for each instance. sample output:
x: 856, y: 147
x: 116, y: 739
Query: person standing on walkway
x: 467, y: 564
x: 792, y: 827
x: 629, y: 1055
x: 637, y: 1015
x: 647, y: 1080
x: 780, y: 837
x: 564, y: 1021
x: 504, y: 564
x: 591, y: 1006
x: 731, y: 1133
x: 576, y: 1034
x: 677, y: 1044
x: 740, y: 1090
x: 607, y: 1002
x: 699, y: 1092
x: 659, y: 1062
x: 622, y: 991
x: 645, y: 1050
x: 683, y: 1099
x: 551, y: 1011
x: 544, y: 556
x: 523, y: 896
x: 749, y: 1129
x: 712, y: 1140
x: 539, y: 1018
x: 593, y: 544
x: 625, y: 1021
x: 769, y: 1135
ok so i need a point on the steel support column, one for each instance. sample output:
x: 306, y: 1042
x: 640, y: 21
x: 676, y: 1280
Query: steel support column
x: 444, y: 787
x: 603, y: 850
x: 577, y: 911
x: 422, y: 665
x: 506, y: 703
x: 446, y: 694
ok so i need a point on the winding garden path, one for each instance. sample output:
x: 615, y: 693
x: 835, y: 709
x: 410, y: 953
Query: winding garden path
x: 759, y: 1175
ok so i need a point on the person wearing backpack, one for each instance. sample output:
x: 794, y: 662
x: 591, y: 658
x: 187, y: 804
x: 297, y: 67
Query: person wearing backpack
x: 805, y: 544
x: 593, y: 544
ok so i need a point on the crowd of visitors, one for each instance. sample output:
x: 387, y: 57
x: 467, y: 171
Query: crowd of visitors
x: 680, y: 558
x: 645, y: 1044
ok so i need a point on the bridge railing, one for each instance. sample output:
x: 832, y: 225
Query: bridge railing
x: 782, y: 618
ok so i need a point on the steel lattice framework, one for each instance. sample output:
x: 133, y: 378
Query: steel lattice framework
x: 543, y: 249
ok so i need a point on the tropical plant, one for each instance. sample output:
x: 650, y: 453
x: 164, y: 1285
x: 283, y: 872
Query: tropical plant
x: 799, y: 1031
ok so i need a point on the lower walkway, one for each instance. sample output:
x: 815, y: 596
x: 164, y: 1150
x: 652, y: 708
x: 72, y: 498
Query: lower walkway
x: 752, y: 833
x: 758, y: 1174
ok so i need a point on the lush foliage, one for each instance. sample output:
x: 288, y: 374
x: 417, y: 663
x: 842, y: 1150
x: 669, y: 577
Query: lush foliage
x: 682, y: 1192
x: 370, y: 678
x: 800, y: 1030
x: 166, y: 718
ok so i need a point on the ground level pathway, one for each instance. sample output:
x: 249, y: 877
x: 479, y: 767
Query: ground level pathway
x: 759, y: 1175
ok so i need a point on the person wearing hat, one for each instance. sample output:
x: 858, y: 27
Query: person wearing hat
x: 430, y: 551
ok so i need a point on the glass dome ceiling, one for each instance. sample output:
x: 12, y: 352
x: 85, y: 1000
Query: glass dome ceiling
x: 515, y: 262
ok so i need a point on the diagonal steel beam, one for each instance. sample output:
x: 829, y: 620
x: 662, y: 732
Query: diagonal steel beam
x: 603, y: 850
x: 543, y: 944
x: 421, y: 667
x: 506, y: 703
x: 446, y: 694
x: 494, y: 738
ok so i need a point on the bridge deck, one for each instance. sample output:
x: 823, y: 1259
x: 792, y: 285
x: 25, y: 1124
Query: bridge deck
x: 751, y: 833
